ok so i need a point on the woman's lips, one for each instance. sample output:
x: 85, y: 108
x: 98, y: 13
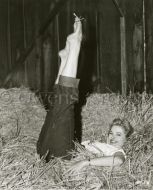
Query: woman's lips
x: 112, y: 142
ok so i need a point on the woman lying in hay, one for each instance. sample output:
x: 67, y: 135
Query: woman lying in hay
x: 57, y: 134
x: 110, y: 153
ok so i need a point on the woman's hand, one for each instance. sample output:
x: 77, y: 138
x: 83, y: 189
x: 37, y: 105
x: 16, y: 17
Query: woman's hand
x: 77, y: 167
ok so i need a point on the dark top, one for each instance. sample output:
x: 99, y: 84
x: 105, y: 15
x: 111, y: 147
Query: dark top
x: 57, y: 134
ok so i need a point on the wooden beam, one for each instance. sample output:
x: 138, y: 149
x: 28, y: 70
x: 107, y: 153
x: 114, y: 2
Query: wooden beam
x: 123, y: 56
x: 118, y: 8
x: 54, y: 11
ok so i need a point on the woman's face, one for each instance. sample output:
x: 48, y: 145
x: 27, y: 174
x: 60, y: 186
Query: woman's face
x: 116, y: 136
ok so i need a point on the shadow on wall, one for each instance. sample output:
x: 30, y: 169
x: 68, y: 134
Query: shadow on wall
x: 87, y: 63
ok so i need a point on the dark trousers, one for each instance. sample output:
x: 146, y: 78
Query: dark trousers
x: 57, y: 134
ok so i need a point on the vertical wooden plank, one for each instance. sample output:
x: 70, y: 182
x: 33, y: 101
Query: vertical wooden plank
x: 144, y: 48
x: 47, y: 55
x: 37, y: 71
x: 149, y: 44
x: 9, y: 36
x: 37, y: 48
x: 3, y: 40
x: 25, y: 42
x: 123, y: 56
x: 58, y: 37
x: 97, y: 43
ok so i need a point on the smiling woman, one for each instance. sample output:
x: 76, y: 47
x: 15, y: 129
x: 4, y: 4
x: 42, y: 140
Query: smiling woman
x: 110, y: 153
x: 119, y: 130
x: 117, y: 136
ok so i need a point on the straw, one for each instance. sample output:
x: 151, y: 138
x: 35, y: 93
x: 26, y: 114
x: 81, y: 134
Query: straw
x: 22, y: 169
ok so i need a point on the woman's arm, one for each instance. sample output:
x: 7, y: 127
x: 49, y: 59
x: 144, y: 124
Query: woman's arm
x: 116, y: 160
x: 106, y: 161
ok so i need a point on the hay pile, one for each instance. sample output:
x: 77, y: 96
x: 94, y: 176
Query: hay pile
x: 101, y: 109
x: 21, y: 168
x: 97, y: 114
x: 21, y: 113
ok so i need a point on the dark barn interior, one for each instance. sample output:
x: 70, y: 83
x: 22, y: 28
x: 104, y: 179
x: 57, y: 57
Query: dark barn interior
x: 116, y: 82
x: 112, y: 53
x: 116, y: 51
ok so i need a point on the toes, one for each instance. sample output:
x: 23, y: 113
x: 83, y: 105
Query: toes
x: 77, y: 24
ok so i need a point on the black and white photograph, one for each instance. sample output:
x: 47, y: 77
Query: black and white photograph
x: 76, y: 94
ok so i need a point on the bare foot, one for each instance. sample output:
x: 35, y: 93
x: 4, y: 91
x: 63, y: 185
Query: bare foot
x: 76, y: 37
x: 69, y: 55
x: 74, y: 41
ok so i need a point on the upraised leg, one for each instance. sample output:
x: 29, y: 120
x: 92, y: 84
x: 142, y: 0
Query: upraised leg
x: 57, y: 134
x: 74, y: 43
x: 69, y: 55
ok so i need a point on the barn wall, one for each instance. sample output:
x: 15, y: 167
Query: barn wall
x: 100, y: 51
x: 149, y: 44
x: 23, y: 18
x: 4, y: 62
x: 133, y: 13
x: 110, y: 54
x: 100, y: 48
